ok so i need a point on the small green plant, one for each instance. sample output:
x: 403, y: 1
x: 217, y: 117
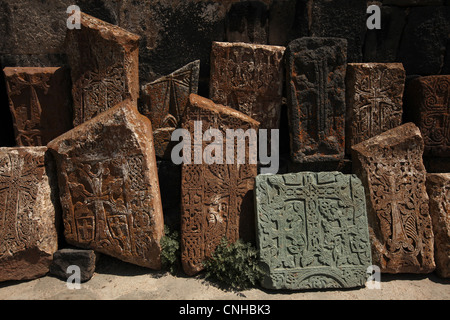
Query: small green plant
x: 170, y: 250
x: 235, y: 265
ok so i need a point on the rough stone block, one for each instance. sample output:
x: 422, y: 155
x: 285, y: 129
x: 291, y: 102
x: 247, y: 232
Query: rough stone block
x: 391, y: 169
x: 28, y: 212
x: 40, y: 103
x: 109, y: 190
x: 84, y: 259
x: 374, y: 93
x: 312, y: 230
x: 315, y: 80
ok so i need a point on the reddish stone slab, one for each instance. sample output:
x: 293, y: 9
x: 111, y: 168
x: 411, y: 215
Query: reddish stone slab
x: 248, y: 78
x: 40, y: 103
x: 438, y: 188
x: 428, y: 104
x: 163, y: 101
x: 374, y: 93
x: 28, y: 210
x: 391, y: 169
x: 104, y: 66
x: 216, y: 199
x: 109, y: 190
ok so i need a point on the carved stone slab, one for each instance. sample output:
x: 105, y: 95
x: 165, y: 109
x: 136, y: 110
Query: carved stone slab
x: 374, y: 93
x: 28, y: 209
x: 40, y: 103
x: 216, y: 199
x: 428, y: 101
x: 315, y: 80
x: 104, y: 66
x: 391, y: 169
x: 163, y: 101
x: 248, y: 78
x: 312, y: 230
x: 438, y: 189
x: 109, y: 189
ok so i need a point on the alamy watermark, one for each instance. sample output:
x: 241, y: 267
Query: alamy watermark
x: 74, y: 280
x: 74, y: 19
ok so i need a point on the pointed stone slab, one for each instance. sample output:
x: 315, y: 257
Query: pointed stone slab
x: 104, y: 66
x: 312, y: 230
x: 438, y: 189
x: 248, y: 78
x: 391, y: 169
x: 40, y: 103
x: 374, y: 93
x: 28, y: 211
x: 315, y: 79
x: 216, y: 199
x: 109, y: 190
x: 163, y: 101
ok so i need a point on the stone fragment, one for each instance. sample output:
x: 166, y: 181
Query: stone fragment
x: 315, y: 80
x: 163, y: 101
x: 84, y: 259
x: 216, y: 199
x: 391, y: 169
x: 312, y: 230
x: 108, y: 182
x: 28, y: 210
x: 39, y: 101
x: 248, y: 78
x: 428, y: 106
x: 104, y: 61
x: 438, y: 189
x: 374, y: 93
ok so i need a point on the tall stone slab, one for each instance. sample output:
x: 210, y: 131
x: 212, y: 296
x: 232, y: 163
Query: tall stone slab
x: 104, y: 62
x: 391, y: 169
x: 248, y: 78
x: 28, y: 211
x: 438, y: 189
x: 216, y: 199
x: 315, y: 82
x: 312, y: 230
x: 428, y: 106
x: 163, y: 101
x: 108, y: 182
x: 374, y: 93
x: 40, y: 103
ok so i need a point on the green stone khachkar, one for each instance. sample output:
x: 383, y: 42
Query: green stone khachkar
x: 312, y: 230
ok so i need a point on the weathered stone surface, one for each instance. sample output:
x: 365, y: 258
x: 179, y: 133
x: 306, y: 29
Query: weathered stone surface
x: 28, y: 210
x: 82, y: 258
x: 428, y: 106
x: 412, y: 3
x: 283, y: 20
x: 163, y: 101
x: 104, y: 62
x: 374, y: 93
x: 312, y: 230
x: 108, y: 182
x: 315, y: 80
x: 216, y: 199
x: 40, y: 103
x: 391, y: 169
x: 438, y: 189
x: 247, y: 21
x: 248, y: 78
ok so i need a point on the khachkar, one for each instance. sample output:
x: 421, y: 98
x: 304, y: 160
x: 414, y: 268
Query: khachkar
x: 248, y: 78
x: 391, y: 169
x: 438, y: 189
x: 109, y: 189
x: 163, y: 101
x: 28, y: 210
x: 216, y: 199
x: 104, y: 66
x: 40, y: 104
x: 312, y: 230
x: 374, y: 93
x: 315, y: 80
x: 428, y: 105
